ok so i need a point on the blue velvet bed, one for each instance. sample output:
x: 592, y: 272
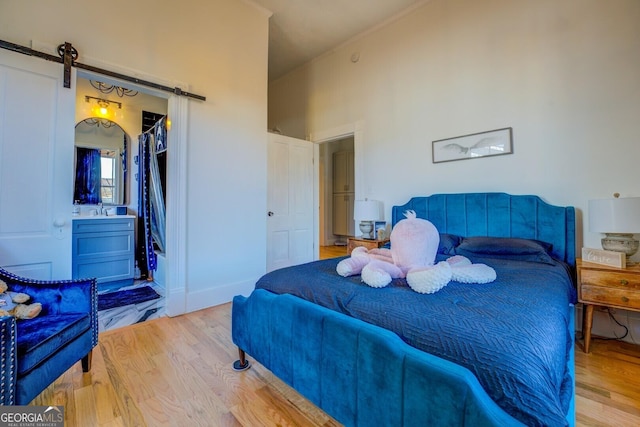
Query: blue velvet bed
x: 492, y: 354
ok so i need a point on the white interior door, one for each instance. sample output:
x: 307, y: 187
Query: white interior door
x: 290, y: 202
x: 36, y: 167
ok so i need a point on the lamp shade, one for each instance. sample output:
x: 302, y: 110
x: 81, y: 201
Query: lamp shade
x: 367, y: 210
x: 618, y: 215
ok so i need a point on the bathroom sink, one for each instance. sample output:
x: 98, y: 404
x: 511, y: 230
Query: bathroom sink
x: 114, y: 216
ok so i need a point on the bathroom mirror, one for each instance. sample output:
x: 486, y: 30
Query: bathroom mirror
x: 100, y: 162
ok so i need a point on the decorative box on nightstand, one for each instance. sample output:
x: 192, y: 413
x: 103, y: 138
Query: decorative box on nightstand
x: 354, y: 242
x: 606, y: 286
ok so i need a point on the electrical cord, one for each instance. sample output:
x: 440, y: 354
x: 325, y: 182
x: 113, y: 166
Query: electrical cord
x: 626, y: 330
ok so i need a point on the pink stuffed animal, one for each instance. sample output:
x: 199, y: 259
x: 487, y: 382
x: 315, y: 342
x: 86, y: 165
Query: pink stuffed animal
x: 414, y: 245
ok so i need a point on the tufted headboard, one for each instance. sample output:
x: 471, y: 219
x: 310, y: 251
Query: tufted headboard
x: 498, y: 215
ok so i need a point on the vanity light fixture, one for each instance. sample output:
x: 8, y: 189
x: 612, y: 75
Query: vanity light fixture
x: 103, y: 105
x: 107, y: 88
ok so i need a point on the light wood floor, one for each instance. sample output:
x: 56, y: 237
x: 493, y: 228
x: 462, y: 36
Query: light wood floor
x: 332, y: 251
x: 177, y: 371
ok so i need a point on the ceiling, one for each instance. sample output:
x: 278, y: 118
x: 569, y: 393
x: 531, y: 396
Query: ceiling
x: 300, y: 30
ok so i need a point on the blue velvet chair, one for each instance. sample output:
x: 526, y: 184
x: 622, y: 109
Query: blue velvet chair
x: 36, y: 352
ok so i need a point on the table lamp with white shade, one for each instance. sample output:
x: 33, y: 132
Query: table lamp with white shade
x: 367, y: 211
x: 619, y: 219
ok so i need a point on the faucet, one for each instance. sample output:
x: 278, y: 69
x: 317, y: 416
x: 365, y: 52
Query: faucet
x: 101, y: 209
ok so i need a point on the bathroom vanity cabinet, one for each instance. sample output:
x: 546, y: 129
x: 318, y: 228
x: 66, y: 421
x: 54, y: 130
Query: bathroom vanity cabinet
x: 103, y: 247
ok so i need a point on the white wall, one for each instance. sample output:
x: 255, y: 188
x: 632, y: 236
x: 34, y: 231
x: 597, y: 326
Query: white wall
x: 562, y: 73
x: 216, y: 48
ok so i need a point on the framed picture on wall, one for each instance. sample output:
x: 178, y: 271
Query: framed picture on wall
x: 482, y: 144
x: 380, y: 230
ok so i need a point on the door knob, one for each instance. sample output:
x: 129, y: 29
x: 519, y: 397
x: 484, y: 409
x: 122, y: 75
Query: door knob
x: 270, y: 213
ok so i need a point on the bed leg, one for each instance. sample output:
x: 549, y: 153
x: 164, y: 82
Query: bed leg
x: 242, y: 364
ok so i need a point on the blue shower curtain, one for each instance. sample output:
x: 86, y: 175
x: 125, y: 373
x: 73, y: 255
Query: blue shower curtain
x: 151, y: 208
x: 88, y: 176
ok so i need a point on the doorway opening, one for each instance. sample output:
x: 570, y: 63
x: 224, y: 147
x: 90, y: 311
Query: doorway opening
x: 129, y: 112
x: 337, y: 190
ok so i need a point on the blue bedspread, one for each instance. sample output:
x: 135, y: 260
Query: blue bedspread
x: 512, y: 333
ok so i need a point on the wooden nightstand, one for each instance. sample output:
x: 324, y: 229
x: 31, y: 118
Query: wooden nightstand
x: 606, y: 286
x: 354, y: 242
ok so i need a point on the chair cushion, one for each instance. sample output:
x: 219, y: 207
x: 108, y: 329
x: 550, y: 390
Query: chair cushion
x: 42, y: 336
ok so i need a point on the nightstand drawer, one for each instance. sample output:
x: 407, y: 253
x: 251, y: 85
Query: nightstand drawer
x: 623, y: 281
x: 603, y: 295
x: 608, y: 287
x: 354, y: 242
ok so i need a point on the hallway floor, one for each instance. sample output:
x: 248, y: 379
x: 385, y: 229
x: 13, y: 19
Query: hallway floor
x: 332, y: 251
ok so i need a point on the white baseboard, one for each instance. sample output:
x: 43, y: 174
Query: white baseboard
x: 218, y: 295
x: 179, y: 302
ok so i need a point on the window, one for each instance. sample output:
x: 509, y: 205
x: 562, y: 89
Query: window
x: 108, y: 172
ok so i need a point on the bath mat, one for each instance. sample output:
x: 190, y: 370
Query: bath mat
x: 130, y: 296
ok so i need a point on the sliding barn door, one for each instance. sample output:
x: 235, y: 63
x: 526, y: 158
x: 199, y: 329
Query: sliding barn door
x: 290, y: 235
x: 36, y: 167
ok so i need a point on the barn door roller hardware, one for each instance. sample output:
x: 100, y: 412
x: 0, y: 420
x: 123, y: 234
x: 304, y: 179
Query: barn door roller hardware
x: 68, y: 56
